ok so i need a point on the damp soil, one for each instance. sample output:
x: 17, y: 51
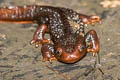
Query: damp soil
x: 21, y: 61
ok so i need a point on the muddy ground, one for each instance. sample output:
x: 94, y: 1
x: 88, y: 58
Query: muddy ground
x: 21, y: 61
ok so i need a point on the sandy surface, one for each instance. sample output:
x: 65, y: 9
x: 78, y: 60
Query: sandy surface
x: 21, y: 61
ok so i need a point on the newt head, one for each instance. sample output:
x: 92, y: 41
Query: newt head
x: 70, y: 49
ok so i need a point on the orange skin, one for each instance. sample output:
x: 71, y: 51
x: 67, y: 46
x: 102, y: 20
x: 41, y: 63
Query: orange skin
x: 66, y: 44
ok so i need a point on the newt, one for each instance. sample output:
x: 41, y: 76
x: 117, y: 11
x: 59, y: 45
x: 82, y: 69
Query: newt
x: 68, y: 41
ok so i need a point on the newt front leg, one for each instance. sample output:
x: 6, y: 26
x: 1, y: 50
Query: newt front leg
x: 38, y: 37
x: 47, y: 52
x: 92, y: 43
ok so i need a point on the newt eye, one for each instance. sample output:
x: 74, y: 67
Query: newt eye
x: 58, y: 51
x: 82, y: 48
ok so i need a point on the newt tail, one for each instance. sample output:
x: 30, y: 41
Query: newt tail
x: 19, y: 14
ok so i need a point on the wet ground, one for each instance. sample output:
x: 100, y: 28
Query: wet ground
x: 21, y: 61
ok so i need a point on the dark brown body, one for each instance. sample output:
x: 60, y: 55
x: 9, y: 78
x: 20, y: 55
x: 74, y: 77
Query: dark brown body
x: 68, y: 42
